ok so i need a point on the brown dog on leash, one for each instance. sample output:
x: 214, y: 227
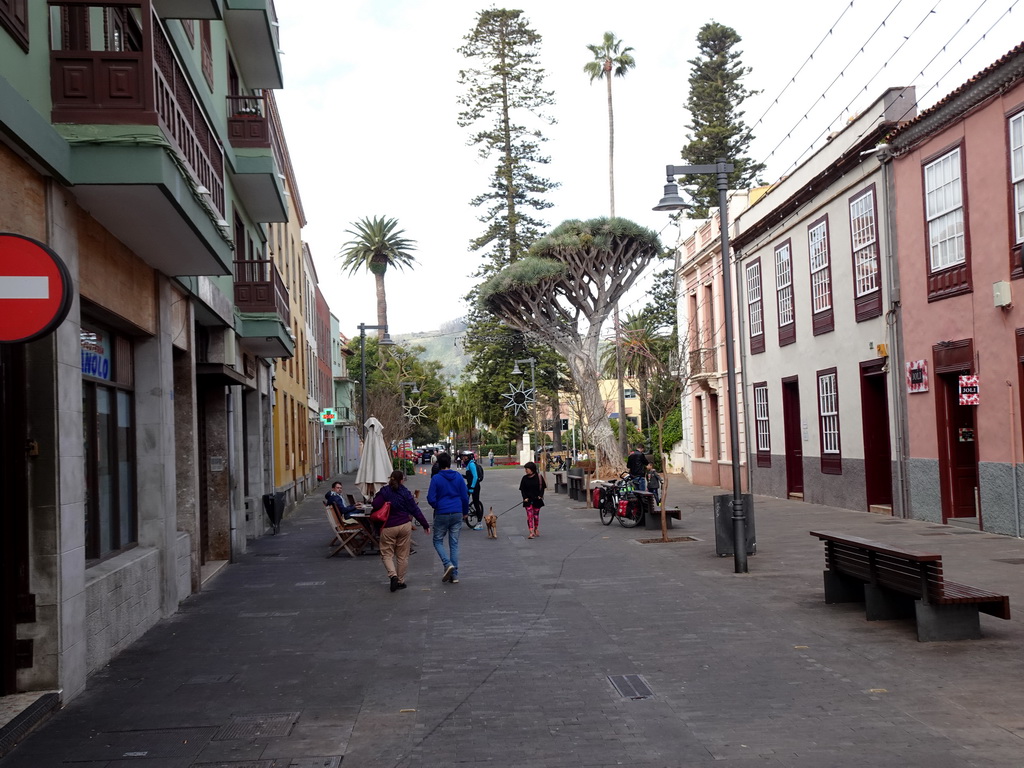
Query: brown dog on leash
x: 492, y: 523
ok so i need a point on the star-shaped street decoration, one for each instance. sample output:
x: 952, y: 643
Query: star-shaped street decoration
x: 520, y: 398
x: 414, y: 411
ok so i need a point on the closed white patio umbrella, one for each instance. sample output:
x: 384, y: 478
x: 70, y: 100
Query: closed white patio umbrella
x: 375, y: 464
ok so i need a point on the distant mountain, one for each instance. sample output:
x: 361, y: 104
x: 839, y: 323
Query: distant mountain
x: 444, y: 345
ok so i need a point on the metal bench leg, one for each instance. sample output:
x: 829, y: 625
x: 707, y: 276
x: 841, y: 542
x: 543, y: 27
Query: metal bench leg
x: 839, y: 589
x: 947, y: 622
x: 884, y: 604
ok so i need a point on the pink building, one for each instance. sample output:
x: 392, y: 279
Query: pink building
x: 958, y: 176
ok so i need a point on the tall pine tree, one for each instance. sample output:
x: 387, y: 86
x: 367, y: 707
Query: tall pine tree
x: 504, y: 106
x: 717, y: 128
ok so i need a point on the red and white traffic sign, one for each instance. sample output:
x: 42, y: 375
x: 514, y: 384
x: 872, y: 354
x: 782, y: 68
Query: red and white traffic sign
x: 35, y: 289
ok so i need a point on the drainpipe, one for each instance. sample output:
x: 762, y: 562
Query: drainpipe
x: 1013, y: 459
x: 894, y: 325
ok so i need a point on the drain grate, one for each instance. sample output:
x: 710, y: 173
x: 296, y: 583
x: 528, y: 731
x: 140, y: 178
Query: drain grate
x: 251, y: 726
x: 243, y: 764
x: 309, y: 762
x: 310, y: 583
x: 631, y: 686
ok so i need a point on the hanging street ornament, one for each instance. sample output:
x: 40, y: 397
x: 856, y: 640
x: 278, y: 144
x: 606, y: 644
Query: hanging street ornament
x: 414, y: 411
x: 520, y: 398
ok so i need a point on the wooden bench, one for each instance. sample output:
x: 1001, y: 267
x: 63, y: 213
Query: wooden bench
x: 898, y: 583
x: 560, y: 484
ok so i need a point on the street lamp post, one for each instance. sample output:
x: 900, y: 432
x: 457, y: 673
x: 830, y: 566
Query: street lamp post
x: 385, y: 341
x: 673, y: 202
x: 533, y: 383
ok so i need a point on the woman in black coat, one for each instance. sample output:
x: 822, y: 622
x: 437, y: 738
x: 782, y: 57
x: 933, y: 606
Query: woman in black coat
x: 532, y: 488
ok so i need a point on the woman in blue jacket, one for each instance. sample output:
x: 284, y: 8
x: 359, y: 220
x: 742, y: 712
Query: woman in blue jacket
x: 449, y: 498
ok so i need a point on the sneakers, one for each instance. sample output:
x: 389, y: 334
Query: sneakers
x: 402, y: 585
x: 454, y: 580
x: 395, y: 586
x: 448, y: 573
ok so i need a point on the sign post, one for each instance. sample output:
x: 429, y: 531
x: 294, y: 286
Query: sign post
x: 35, y: 289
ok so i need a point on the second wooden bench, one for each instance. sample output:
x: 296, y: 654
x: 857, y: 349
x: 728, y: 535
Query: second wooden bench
x: 895, y: 583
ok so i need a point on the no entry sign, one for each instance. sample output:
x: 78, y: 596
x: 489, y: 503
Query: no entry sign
x: 35, y: 289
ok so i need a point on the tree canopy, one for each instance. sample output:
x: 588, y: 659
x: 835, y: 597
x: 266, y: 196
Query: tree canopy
x: 717, y: 129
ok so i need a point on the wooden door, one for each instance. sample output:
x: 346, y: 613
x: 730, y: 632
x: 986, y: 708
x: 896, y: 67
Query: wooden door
x: 793, y: 436
x: 877, y: 447
x: 960, y: 468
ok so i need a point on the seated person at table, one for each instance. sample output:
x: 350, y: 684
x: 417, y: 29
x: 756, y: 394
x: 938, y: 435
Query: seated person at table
x: 335, y: 499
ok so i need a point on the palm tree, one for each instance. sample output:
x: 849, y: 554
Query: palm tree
x: 610, y: 59
x: 376, y: 245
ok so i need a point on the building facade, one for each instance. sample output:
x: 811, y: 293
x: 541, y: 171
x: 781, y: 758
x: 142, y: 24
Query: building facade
x: 136, y: 144
x: 704, y: 454
x: 958, y: 172
x: 815, y: 286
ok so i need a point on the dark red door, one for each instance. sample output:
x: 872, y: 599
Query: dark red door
x: 714, y: 450
x: 877, y: 448
x: 794, y: 436
x: 960, y: 469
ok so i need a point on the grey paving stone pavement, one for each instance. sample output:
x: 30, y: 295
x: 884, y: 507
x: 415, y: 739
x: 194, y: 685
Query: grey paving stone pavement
x: 290, y: 658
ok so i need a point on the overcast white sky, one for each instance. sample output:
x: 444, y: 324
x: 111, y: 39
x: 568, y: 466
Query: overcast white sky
x: 369, y: 110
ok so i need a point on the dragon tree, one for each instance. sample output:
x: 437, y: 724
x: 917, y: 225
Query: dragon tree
x: 563, y: 291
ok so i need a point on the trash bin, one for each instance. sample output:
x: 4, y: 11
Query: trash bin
x: 724, y: 534
x: 273, y: 505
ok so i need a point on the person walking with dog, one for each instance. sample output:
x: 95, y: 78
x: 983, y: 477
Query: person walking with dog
x: 448, y: 496
x: 532, y: 489
x: 396, y: 533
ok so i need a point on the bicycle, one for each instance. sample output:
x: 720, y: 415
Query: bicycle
x: 618, y: 502
x: 476, y: 513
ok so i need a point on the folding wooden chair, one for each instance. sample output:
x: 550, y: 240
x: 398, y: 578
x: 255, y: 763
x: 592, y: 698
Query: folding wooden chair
x: 349, y: 536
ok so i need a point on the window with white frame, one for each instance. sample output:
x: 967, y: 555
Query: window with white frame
x: 1017, y: 171
x: 828, y: 421
x: 864, y: 234
x: 944, y: 211
x: 754, y: 308
x: 764, y: 442
x: 821, y: 279
x: 784, y: 292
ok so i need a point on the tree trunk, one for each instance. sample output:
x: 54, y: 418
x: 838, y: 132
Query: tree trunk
x: 611, y: 144
x: 586, y: 377
x: 382, y: 304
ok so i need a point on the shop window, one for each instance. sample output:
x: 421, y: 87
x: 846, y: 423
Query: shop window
x: 111, y: 521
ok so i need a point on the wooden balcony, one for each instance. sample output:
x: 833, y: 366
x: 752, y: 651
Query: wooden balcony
x: 141, y: 84
x: 248, y: 125
x: 260, y: 288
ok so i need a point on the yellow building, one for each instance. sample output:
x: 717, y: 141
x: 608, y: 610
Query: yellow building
x: 293, y: 468
x: 572, y: 409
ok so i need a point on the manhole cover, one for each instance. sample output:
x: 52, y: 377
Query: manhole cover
x: 631, y: 686
x: 251, y: 726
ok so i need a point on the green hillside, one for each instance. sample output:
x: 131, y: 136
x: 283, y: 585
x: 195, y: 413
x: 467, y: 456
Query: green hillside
x: 444, y: 345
